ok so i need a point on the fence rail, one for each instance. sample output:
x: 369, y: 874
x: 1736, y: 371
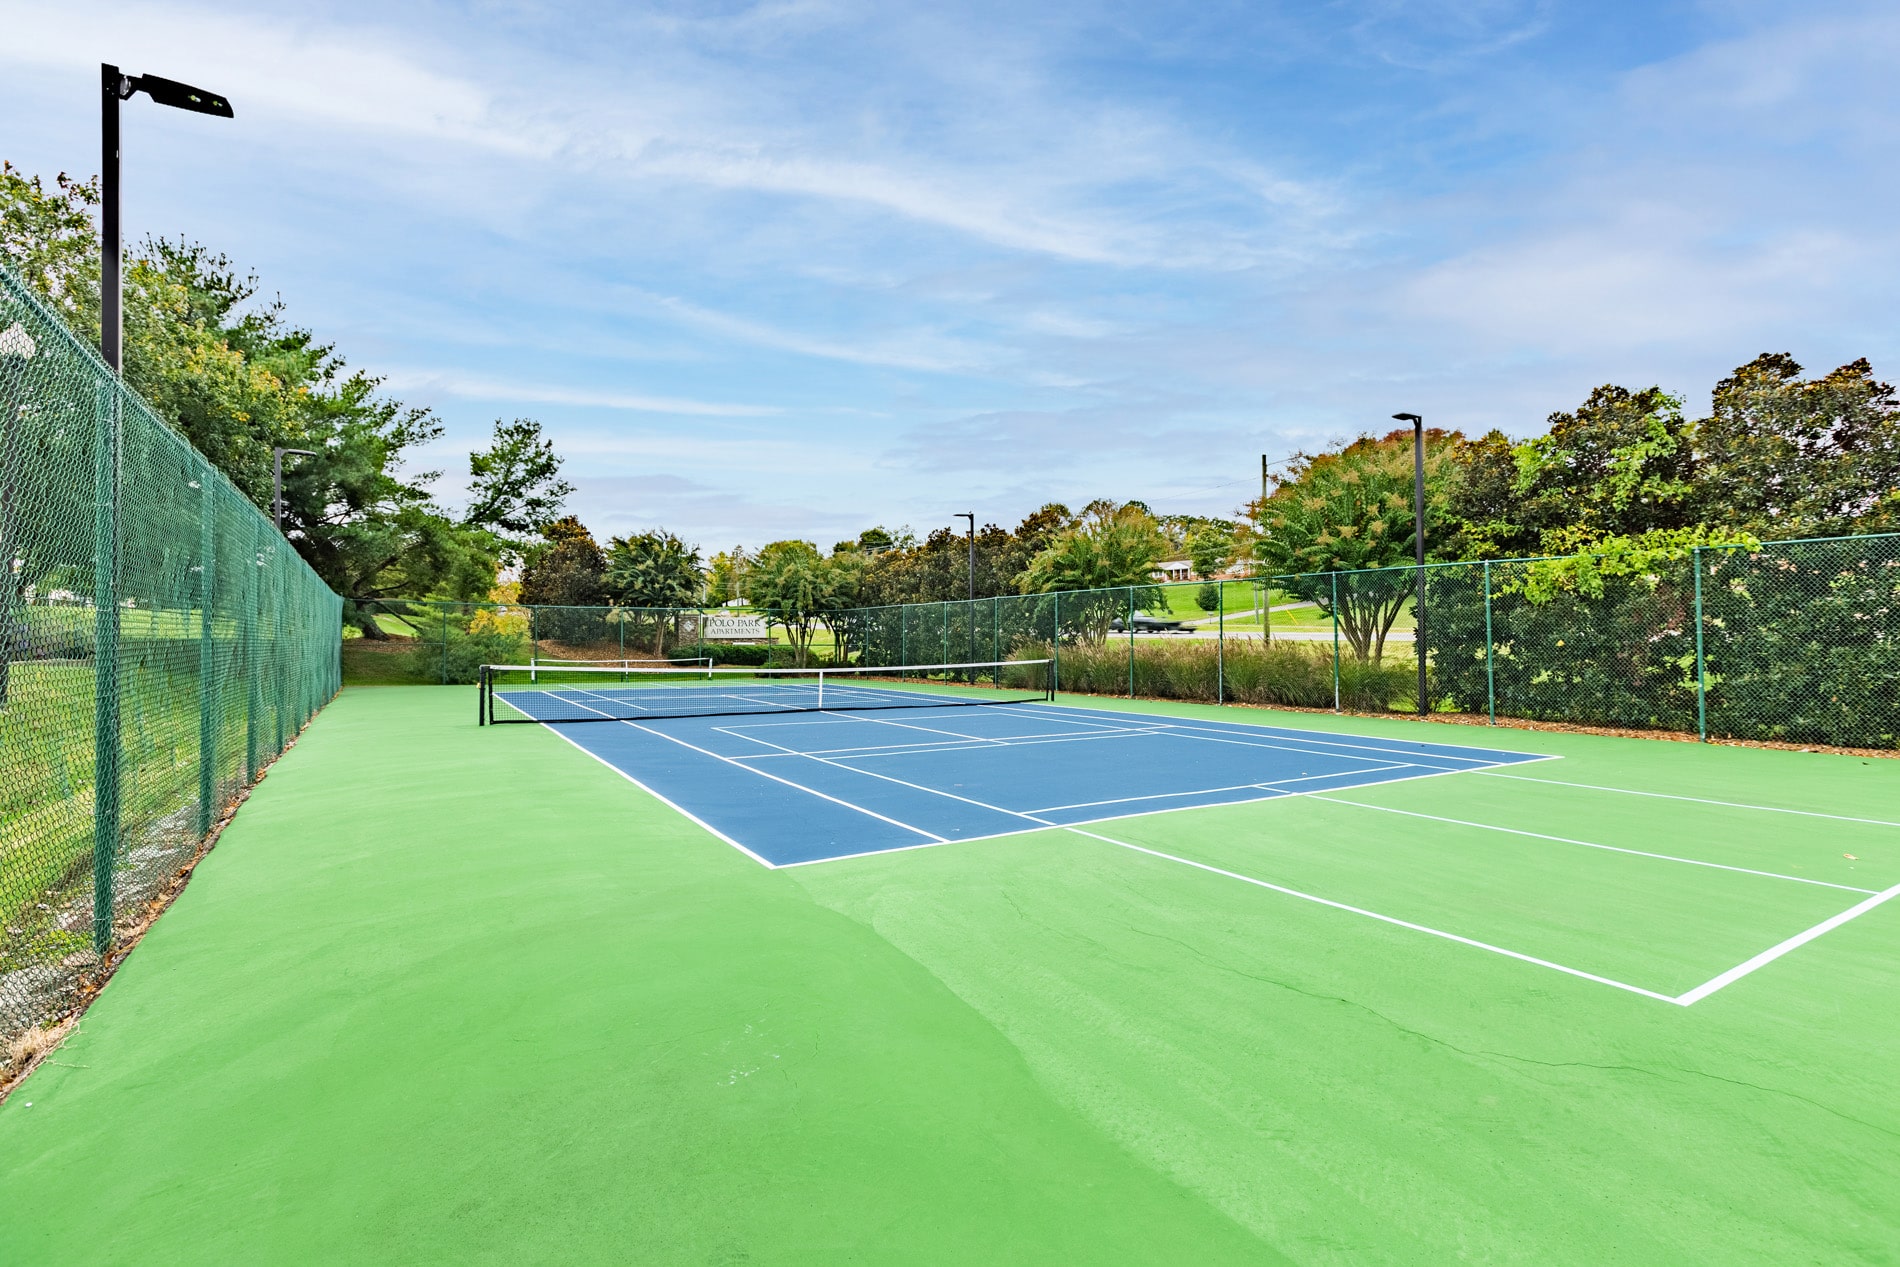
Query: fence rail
x: 159, y: 644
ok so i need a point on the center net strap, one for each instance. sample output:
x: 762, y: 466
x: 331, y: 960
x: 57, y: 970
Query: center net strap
x: 547, y: 692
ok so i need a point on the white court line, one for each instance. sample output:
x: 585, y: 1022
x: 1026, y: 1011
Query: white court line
x: 1389, y: 747
x: 1589, y: 844
x: 1385, y: 919
x: 738, y: 765
x: 1262, y: 737
x: 1773, y: 953
x: 975, y: 742
x: 1209, y: 791
x: 674, y: 805
x: 872, y: 774
x: 974, y: 745
x: 1700, y: 800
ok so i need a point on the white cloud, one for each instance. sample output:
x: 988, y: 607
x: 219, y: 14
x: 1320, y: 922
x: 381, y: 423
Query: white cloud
x: 476, y: 387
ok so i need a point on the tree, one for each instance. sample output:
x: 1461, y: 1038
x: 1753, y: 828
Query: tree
x: 236, y: 379
x: 790, y: 583
x: 1209, y: 548
x: 656, y: 571
x: 515, y: 485
x: 726, y: 575
x: 1781, y: 456
x: 1112, y: 546
x: 1348, y: 511
x: 1622, y: 465
x: 50, y: 241
x: 569, y: 571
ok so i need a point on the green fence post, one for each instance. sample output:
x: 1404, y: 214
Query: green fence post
x: 442, y: 612
x: 1220, y: 644
x: 1131, y: 642
x: 1701, y: 665
x: 1055, y: 647
x: 253, y: 661
x: 1490, y: 673
x: 996, y: 637
x: 105, y: 660
x: 1335, y: 579
x: 207, y: 654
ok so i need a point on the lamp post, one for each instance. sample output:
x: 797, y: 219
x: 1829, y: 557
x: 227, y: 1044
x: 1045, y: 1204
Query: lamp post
x: 971, y: 652
x: 114, y: 88
x: 964, y: 514
x: 277, y: 482
x: 1418, y: 540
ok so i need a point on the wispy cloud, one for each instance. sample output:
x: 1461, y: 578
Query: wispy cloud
x: 476, y: 387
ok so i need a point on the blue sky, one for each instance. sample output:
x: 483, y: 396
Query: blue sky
x: 791, y: 269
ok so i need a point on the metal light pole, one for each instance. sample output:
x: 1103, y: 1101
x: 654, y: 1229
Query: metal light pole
x: 964, y: 514
x: 277, y: 482
x: 971, y: 654
x: 106, y: 527
x: 1418, y: 538
x: 115, y: 87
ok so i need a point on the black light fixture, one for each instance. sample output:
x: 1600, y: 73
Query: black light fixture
x: 1418, y: 540
x: 115, y: 87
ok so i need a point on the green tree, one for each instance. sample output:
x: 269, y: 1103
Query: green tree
x: 515, y: 485
x: 725, y: 577
x: 568, y: 571
x: 1112, y: 546
x: 1783, y: 456
x: 1347, y: 511
x: 655, y: 571
x: 1209, y: 548
x: 237, y: 379
x: 1622, y: 465
x: 791, y: 585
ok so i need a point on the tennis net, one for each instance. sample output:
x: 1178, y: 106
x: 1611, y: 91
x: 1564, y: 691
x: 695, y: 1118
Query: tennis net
x: 544, y: 693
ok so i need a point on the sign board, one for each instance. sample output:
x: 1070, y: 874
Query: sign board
x: 720, y: 628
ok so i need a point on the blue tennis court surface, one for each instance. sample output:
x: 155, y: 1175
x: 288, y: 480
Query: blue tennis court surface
x: 815, y: 786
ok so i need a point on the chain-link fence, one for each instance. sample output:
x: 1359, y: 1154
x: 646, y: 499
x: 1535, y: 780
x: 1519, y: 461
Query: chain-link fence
x: 159, y: 644
x: 1790, y: 641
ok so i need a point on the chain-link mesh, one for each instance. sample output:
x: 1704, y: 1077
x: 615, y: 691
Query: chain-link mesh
x: 159, y: 644
x: 1791, y: 641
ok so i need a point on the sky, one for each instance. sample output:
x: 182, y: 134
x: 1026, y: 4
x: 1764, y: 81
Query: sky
x: 794, y: 268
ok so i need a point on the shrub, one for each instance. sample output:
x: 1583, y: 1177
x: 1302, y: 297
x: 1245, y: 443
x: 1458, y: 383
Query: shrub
x: 1295, y: 674
x: 1207, y: 598
x: 457, y: 663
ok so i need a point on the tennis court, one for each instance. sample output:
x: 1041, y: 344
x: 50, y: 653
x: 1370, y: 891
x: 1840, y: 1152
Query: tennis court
x: 1074, y: 980
x: 761, y: 760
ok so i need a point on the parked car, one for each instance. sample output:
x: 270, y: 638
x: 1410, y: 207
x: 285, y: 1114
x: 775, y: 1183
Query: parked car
x: 1148, y: 624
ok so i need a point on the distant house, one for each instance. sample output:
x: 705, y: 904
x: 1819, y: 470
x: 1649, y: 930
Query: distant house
x: 1173, y: 570
x: 1176, y: 570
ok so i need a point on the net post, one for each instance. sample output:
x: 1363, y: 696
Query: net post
x: 207, y: 654
x: 481, y: 696
x: 1490, y: 671
x: 105, y: 659
x: 1701, y: 665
